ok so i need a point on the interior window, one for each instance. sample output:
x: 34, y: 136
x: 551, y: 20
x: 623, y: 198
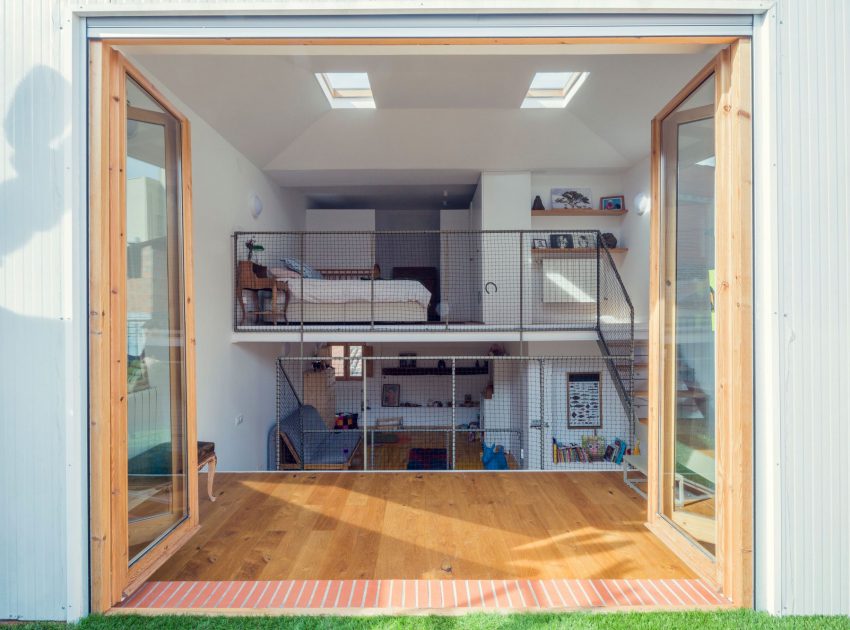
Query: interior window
x: 347, y: 362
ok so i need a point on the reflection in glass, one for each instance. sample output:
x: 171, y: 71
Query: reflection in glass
x: 690, y: 349
x: 156, y: 415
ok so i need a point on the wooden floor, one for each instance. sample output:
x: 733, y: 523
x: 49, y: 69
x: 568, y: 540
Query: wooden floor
x: 276, y: 526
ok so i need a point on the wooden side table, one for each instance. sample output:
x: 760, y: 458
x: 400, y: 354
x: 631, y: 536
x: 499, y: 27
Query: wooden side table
x: 247, y: 280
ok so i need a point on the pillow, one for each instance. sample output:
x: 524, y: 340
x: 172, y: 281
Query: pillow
x: 301, y: 268
x: 284, y: 272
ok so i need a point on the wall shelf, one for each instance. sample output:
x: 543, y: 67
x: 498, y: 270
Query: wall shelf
x: 578, y: 212
x: 434, y: 371
x: 557, y: 251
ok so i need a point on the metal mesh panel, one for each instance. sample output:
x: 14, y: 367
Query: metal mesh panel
x: 425, y: 280
x: 450, y: 413
x: 616, y: 327
x: 560, y: 280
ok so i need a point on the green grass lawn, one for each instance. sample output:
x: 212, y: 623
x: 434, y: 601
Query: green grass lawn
x: 579, y: 621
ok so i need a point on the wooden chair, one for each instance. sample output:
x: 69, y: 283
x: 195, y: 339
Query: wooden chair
x: 208, y: 458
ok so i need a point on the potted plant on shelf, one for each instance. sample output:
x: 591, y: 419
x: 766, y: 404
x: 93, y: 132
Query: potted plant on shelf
x: 253, y: 247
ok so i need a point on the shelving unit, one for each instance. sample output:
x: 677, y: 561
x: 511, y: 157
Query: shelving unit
x: 578, y: 212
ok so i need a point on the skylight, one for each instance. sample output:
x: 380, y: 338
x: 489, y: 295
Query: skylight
x: 347, y: 90
x: 553, y: 89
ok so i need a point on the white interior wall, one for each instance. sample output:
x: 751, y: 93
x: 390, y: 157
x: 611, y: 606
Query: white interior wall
x: 231, y: 379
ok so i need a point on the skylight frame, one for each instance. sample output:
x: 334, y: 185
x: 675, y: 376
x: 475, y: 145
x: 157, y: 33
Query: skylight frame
x: 553, y: 98
x: 342, y: 97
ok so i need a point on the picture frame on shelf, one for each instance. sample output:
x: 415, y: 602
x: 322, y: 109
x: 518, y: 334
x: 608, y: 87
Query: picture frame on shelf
x: 391, y: 395
x: 561, y: 241
x: 571, y: 198
x: 539, y: 243
x: 584, y: 241
x: 613, y: 202
x: 407, y: 362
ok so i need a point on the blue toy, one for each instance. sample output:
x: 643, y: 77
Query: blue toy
x: 493, y: 457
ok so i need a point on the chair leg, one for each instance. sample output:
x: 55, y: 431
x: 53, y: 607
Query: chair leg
x: 211, y: 476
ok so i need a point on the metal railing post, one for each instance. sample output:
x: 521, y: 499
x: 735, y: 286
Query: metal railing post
x: 454, y: 416
x: 366, y: 452
x: 598, y: 268
x: 301, y: 299
x: 372, y: 284
x: 521, y: 285
x: 542, y: 387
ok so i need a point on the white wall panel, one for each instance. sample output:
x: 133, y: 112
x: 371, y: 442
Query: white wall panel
x: 41, y: 327
x: 813, y: 217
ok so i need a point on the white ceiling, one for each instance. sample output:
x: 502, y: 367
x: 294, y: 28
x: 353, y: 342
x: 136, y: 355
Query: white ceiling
x: 437, y: 114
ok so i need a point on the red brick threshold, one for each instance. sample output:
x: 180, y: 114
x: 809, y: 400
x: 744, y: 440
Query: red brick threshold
x: 358, y: 597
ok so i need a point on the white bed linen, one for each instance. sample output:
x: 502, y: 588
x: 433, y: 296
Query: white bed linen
x: 347, y: 291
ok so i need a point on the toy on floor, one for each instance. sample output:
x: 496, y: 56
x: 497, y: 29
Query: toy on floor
x: 493, y: 457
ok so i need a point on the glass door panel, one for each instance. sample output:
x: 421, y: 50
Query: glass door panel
x: 689, y: 392
x: 157, y: 499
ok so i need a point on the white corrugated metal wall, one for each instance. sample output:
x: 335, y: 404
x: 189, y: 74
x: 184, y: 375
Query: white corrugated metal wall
x: 813, y: 289
x: 42, y: 333
x: 41, y: 336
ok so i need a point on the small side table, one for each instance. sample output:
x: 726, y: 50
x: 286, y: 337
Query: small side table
x: 208, y: 458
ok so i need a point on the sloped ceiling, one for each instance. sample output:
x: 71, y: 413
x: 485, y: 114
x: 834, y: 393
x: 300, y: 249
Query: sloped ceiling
x: 435, y: 112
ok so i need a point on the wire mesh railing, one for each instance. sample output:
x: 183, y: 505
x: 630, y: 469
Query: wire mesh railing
x: 449, y: 413
x: 427, y: 281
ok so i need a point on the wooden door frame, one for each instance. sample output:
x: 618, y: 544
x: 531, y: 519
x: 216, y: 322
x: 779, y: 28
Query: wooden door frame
x: 112, y: 578
x: 733, y: 572
x: 732, y: 568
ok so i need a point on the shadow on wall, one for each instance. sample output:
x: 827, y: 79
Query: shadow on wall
x: 35, y: 300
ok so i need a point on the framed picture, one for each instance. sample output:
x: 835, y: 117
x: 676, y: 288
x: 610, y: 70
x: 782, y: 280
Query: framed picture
x: 584, y: 400
x: 407, y: 363
x: 615, y: 202
x: 571, y: 198
x: 561, y: 241
x: 539, y: 243
x: 390, y: 395
x: 584, y: 241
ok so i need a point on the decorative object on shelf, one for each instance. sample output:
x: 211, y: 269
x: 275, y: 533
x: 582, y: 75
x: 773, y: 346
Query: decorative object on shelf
x: 594, y: 446
x: 441, y: 365
x: 561, y: 241
x: 497, y: 350
x: 609, y: 240
x: 407, y: 363
x: 584, y: 400
x: 390, y: 395
x: 614, y: 202
x: 253, y: 247
x: 538, y: 204
x: 538, y: 243
x: 571, y: 198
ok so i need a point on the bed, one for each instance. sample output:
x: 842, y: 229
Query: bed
x: 339, y: 296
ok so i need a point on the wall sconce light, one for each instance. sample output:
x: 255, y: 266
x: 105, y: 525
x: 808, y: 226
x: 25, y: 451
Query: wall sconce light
x: 642, y: 204
x: 255, y: 205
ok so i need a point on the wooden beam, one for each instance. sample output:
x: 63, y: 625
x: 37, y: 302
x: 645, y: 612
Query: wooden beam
x: 734, y: 289
x: 419, y: 41
x: 100, y: 316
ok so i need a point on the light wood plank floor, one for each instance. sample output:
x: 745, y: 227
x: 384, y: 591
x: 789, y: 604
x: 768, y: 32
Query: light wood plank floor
x: 269, y: 526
